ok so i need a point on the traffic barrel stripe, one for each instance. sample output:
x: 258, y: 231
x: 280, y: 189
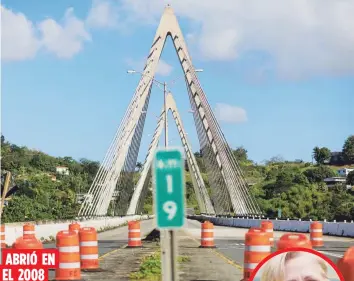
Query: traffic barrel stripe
x: 69, y: 265
x: 263, y: 249
x: 88, y: 243
x: 69, y: 249
x: 250, y: 265
x: 89, y: 257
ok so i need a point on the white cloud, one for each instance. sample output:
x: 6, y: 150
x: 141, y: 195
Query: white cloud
x: 303, y: 37
x: 163, y: 68
x: 230, y: 114
x: 18, y: 39
x: 22, y: 39
x: 64, y: 40
x: 103, y: 14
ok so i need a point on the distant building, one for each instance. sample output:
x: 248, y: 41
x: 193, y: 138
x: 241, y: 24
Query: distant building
x: 62, y: 170
x: 344, y: 172
x: 331, y: 182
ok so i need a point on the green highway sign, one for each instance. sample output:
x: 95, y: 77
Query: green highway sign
x: 169, y: 198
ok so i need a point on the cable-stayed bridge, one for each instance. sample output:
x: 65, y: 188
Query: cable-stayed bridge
x: 229, y: 192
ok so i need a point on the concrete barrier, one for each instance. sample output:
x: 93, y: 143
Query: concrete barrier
x: 46, y: 230
x: 344, y: 229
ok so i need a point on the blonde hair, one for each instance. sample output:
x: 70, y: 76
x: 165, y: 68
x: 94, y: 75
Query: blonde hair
x: 274, y: 269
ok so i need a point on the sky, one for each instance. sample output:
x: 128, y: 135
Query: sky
x: 279, y: 75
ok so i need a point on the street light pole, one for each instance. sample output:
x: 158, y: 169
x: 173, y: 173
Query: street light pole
x: 165, y: 112
x: 169, y: 245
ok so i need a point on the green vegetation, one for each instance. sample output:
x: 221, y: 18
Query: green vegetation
x: 150, y: 267
x: 321, y: 154
x: 295, y: 187
x: 43, y: 194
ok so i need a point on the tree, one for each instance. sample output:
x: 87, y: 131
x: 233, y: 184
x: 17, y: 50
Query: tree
x: 350, y: 178
x: 318, y: 174
x: 139, y: 165
x: 240, y: 154
x: 348, y: 148
x: 321, y: 154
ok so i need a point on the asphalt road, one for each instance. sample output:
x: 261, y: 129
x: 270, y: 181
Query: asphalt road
x: 110, y: 240
x: 230, y: 242
x: 116, y: 238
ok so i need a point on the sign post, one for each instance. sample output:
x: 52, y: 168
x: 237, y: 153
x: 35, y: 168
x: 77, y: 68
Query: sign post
x: 169, y: 203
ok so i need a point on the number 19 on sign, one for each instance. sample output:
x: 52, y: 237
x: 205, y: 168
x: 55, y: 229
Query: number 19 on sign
x: 169, y: 189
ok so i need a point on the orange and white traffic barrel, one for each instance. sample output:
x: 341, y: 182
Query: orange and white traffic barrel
x: 257, y: 247
x: 28, y: 231
x: 267, y: 226
x: 28, y: 240
x: 346, y: 265
x: 2, y: 236
x: 296, y: 240
x: 316, y: 234
x: 74, y: 227
x: 207, y: 235
x: 88, y: 248
x: 134, y: 237
x: 69, y: 256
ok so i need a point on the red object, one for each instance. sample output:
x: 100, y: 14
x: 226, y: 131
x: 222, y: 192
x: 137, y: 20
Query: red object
x: 346, y: 265
x: 296, y: 240
x: 29, y: 264
x: 311, y: 251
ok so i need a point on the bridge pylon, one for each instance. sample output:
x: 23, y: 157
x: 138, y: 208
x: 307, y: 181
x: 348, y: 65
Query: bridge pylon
x: 229, y: 191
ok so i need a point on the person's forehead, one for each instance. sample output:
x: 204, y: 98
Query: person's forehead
x: 305, y: 265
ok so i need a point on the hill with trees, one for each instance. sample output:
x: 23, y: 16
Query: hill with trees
x: 294, y: 187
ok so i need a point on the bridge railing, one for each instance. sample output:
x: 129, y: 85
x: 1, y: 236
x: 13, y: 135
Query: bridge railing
x: 344, y: 229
